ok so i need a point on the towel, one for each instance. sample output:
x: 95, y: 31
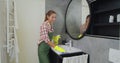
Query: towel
x: 14, y: 50
x: 76, y: 59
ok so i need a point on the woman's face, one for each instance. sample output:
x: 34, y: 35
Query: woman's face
x: 52, y: 17
x: 88, y: 19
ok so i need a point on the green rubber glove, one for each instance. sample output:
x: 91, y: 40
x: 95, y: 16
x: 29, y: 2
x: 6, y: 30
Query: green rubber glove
x: 80, y: 35
x: 56, y: 39
x: 57, y: 48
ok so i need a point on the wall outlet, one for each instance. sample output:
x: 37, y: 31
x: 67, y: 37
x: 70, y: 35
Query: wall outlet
x: 114, y: 55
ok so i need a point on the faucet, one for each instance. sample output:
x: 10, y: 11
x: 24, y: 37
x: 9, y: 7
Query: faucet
x: 69, y: 43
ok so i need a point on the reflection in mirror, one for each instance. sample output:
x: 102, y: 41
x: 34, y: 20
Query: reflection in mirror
x: 84, y: 26
x: 77, y: 18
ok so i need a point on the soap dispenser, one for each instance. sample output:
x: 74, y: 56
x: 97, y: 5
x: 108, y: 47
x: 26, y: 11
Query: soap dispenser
x: 111, y: 19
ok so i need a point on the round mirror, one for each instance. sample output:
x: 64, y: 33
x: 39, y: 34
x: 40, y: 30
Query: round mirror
x: 77, y: 18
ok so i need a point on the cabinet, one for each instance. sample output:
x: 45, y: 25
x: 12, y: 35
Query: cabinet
x: 100, y: 14
x: 55, y: 58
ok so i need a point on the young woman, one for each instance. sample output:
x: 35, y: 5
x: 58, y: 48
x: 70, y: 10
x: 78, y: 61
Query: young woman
x: 84, y: 27
x: 45, y: 43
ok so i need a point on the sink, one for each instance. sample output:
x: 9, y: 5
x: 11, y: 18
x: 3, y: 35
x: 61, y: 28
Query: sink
x: 67, y: 49
x: 71, y: 54
x: 70, y: 49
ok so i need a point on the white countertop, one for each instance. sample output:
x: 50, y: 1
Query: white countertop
x: 67, y: 49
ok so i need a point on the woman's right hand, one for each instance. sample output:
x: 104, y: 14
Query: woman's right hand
x: 57, y: 48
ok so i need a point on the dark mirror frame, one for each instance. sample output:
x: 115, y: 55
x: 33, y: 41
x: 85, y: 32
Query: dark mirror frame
x: 66, y: 29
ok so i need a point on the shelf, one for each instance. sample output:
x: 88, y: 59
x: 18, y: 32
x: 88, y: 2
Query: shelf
x: 105, y: 10
x: 106, y: 6
x: 100, y: 14
x: 107, y: 24
x: 12, y: 20
x: 100, y: 36
x: 11, y: 33
x: 12, y: 26
x: 11, y: 13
